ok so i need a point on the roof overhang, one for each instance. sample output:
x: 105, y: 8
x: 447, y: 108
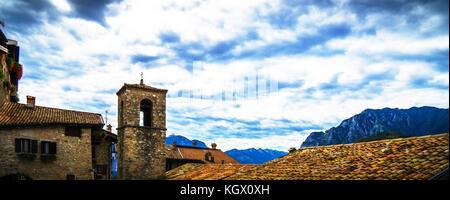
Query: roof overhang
x: 141, y: 87
x: 4, y: 49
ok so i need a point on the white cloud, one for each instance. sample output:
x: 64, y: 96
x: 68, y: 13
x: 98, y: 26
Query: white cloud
x: 94, y: 61
x: 62, y: 5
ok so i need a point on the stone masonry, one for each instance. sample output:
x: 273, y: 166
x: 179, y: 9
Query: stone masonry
x: 65, y: 163
x: 141, y: 149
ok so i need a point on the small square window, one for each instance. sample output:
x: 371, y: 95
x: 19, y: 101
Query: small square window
x: 73, y: 131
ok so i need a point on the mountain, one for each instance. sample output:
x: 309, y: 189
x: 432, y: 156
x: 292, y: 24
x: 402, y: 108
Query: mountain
x: 381, y: 136
x: 254, y: 156
x: 411, y: 122
x: 247, y: 156
x: 184, y: 141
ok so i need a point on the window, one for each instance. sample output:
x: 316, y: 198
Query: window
x: 70, y: 177
x: 93, y: 152
x: 26, y: 145
x: 100, y: 169
x: 73, y: 131
x: 209, y: 157
x: 146, y: 113
x: 48, y: 147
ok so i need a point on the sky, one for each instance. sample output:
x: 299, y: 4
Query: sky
x: 242, y: 74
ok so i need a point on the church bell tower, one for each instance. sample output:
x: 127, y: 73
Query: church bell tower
x: 141, y: 132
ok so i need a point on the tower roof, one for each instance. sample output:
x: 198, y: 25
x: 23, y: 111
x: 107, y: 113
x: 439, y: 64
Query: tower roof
x: 141, y: 87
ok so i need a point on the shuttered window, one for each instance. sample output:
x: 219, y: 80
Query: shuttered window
x: 25, y: 145
x: 34, y: 146
x: 101, y: 169
x: 48, y: 147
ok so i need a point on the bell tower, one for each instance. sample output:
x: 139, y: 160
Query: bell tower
x: 141, y: 132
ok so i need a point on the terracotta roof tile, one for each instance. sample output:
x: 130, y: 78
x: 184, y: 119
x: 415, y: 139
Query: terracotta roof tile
x: 417, y: 158
x: 196, y: 153
x: 172, y: 153
x: 16, y: 114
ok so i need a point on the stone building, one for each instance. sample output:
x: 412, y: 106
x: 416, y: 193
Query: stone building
x: 141, y: 132
x: 39, y: 142
x: 10, y: 69
x: 177, y: 155
x: 49, y: 143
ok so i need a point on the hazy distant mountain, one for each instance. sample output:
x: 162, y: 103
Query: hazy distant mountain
x: 410, y: 122
x: 254, y: 156
x: 184, y: 141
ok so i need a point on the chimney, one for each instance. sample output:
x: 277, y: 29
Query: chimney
x: 292, y: 149
x: 213, y: 145
x: 109, y: 127
x: 174, y: 146
x: 194, y: 143
x: 31, y: 101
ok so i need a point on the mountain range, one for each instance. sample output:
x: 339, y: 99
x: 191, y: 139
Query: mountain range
x: 245, y: 156
x: 181, y: 140
x: 415, y: 121
x: 254, y: 156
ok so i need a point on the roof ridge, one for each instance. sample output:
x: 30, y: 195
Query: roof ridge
x: 46, y: 107
x: 18, y: 114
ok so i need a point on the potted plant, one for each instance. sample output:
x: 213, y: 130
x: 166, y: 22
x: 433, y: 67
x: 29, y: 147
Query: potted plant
x: 27, y: 156
x: 13, y: 89
x: 6, y: 82
x: 14, y: 98
x: 48, y: 157
x: 9, y: 63
x: 14, y: 66
x: 17, y: 68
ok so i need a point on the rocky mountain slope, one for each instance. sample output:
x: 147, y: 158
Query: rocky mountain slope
x: 181, y: 140
x: 415, y: 121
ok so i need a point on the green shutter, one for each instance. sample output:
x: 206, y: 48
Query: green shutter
x: 34, y: 146
x: 53, y: 148
x: 42, y: 147
x: 17, y: 144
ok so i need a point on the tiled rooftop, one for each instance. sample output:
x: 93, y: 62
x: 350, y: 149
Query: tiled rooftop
x: 195, y: 153
x: 16, y: 114
x: 414, y: 158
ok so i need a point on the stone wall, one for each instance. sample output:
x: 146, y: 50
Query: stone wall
x: 4, y: 94
x: 131, y: 98
x: 103, y: 156
x: 73, y: 154
x: 141, y: 153
x: 4, y: 91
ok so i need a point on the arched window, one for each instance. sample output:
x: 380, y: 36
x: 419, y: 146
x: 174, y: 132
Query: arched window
x: 146, y: 113
x: 209, y: 157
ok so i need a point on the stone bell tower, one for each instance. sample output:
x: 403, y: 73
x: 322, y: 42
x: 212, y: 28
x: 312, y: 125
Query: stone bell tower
x: 141, y: 132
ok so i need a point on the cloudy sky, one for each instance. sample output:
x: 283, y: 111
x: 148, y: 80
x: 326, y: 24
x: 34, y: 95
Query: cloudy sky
x: 243, y: 74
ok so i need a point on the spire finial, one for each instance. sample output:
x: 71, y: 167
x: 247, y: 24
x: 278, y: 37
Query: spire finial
x: 142, y: 78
